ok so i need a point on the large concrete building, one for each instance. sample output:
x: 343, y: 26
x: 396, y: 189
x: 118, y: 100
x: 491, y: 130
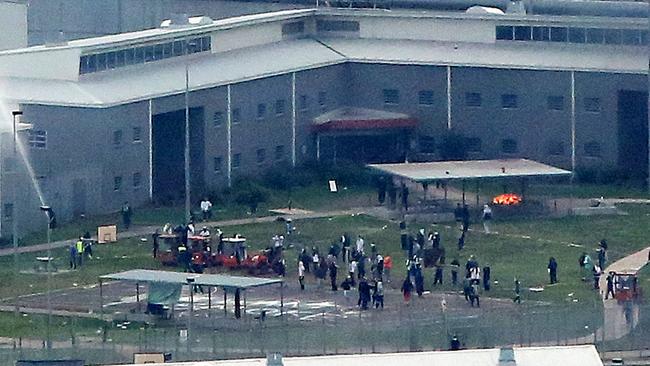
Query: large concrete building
x: 108, y: 113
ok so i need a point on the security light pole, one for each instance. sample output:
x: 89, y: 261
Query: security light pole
x: 14, y: 216
x: 50, y: 219
x: 188, y: 205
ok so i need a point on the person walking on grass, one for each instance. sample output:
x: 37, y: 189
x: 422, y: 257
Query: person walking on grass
x: 206, y: 209
x: 474, y: 295
x: 333, y: 272
x: 487, y: 218
x: 517, y: 290
x: 610, y: 285
x: 407, y: 288
x: 552, y: 270
x: 455, y: 266
x: 301, y: 274
x: 126, y: 212
x: 379, y: 295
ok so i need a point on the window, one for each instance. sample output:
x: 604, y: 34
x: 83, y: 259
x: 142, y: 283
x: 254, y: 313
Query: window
x: 322, y: 99
x: 137, y: 180
x: 631, y: 36
x: 293, y: 28
x: 261, y: 155
x: 279, y: 152
x: 592, y: 148
x: 473, y: 144
x: 391, y: 96
x: 427, y: 144
x: 555, y: 103
x: 217, y: 161
x: 425, y: 98
x: 613, y: 36
x: 303, y: 102
x: 217, y: 119
x: 577, y: 35
x: 280, y: 106
x: 595, y: 35
x: 505, y: 32
x: 592, y: 105
x: 523, y: 33
x: 541, y: 34
x: 473, y: 99
x: 558, y: 34
x: 509, y: 146
x: 236, y: 116
x: 236, y: 161
x: 9, y: 211
x: 117, y: 183
x: 117, y: 138
x: 509, y: 101
x: 37, y: 139
x: 555, y: 148
x: 137, y: 134
x: 261, y: 111
x: 337, y: 26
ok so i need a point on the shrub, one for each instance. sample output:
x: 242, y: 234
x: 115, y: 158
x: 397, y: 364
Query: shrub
x: 250, y: 193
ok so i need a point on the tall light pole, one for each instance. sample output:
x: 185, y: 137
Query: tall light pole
x: 51, y: 222
x: 14, y: 215
x: 188, y: 205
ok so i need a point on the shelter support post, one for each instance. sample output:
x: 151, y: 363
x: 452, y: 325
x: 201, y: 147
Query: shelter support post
x: 478, y: 190
x: 137, y: 295
x: 245, y: 296
x: 225, y: 297
x: 463, y: 184
x: 318, y: 147
x: 444, y: 185
x: 209, y: 298
x: 281, y: 299
x: 101, y: 298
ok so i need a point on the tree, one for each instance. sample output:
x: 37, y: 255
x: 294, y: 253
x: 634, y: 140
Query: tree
x: 453, y: 147
x: 250, y: 193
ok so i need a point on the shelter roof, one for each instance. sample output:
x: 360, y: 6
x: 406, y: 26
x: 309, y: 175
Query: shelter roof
x: 216, y: 280
x: 470, y: 169
x: 352, y: 118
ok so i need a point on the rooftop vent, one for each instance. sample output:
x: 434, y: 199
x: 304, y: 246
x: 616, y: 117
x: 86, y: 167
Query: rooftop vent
x: 484, y: 10
x: 507, y: 357
x: 182, y: 20
x: 274, y: 359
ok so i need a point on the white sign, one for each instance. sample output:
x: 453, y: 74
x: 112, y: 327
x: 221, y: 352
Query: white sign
x: 333, y: 186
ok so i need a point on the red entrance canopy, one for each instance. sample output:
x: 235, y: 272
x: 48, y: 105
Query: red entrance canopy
x: 349, y: 118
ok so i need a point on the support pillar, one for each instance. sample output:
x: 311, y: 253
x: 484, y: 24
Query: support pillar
x: 573, y: 124
x: 225, y: 297
x: 281, y: 299
x: 318, y: 148
x: 463, y: 184
x: 137, y: 295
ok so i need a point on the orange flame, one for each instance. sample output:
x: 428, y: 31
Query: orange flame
x: 507, y: 199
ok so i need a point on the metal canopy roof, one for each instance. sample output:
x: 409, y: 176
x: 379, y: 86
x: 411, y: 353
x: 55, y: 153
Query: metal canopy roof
x: 215, y: 280
x: 471, y: 169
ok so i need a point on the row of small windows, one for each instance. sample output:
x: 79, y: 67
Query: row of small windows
x: 553, y: 102
x: 510, y: 146
x: 392, y: 97
x: 337, y: 26
x: 279, y: 154
x: 572, y: 35
x: 139, y: 55
x: 118, y: 136
x: 136, y: 182
x: 279, y: 109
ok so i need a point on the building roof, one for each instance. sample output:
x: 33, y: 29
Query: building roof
x: 470, y: 169
x: 180, y: 278
x: 532, y: 356
x: 350, y: 118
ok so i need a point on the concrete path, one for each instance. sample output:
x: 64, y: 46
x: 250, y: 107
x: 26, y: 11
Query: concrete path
x: 137, y: 231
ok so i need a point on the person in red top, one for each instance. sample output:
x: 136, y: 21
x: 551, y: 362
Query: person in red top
x: 198, y: 264
x: 388, y: 266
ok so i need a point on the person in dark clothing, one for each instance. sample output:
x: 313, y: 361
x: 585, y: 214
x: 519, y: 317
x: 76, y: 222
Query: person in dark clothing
x: 333, y: 271
x: 436, y: 240
x: 405, y: 197
x: 237, y: 304
x: 486, y: 278
x: 156, y: 245
x: 597, y: 272
x: 458, y: 213
x: 454, y: 345
x: 467, y: 288
x: 455, y: 265
x: 419, y: 281
x: 361, y: 266
x: 305, y: 258
x: 465, y: 218
x: 407, y: 287
x: 437, y: 278
x: 474, y: 295
x: 603, y: 244
x: 461, y: 241
x: 552, y: 270
x: 610, y: 285
x: 602, y: 257
x: 347, y: 284
x: 126, y: 212
x: 364, y: 294
x: 517, y: 290
x: 381, y: 190
x: 392, y: 194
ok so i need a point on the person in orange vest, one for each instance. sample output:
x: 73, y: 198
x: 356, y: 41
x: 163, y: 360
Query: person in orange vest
x: 388, y: 266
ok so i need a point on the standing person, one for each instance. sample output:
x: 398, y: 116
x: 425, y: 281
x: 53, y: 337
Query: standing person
x: 436, y: 240
x: 379, y: 295
x: 381, y: 190
x: 458, y: 215
x: 333, y: 272
x: 455, y: 266
x: 602, y: 257
x: 486, y: 278
x: 345, y: 248
x: 487, y: 218
x: 407, y: 287
x: 352, y: 269
x: 361, y: 266
x: 360, y: 244
x: 315, y: 260
x: 388, y: 266
x: 80, y: 251
x: 552, y: 270
x: 392, y: 194
x: 126, y: 212
x: 461, y: 241
x: 364, y: 293
x: 156, y: 245
x: 404, y: 236
x: 596, y: 274
x: 206, y: 209
x: 610, y: 285
x: 301, y: 274
x: 419, y: 281
x: 467, y: 288
x: 346, y: 285
x: 517, y: 290
x: 405, y: 197
x: 474, y: 295
x: 73, y: 256
x: 437, y: 279
x: 465, y: 218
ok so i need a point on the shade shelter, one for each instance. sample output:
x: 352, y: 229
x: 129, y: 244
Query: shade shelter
x: 471, y: 170
x: 228, y: 283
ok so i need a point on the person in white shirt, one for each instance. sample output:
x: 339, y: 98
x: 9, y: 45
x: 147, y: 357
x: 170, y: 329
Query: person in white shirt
x: 352, y: 269
x: 301, y: 274
x: 487, y: 218
x: 204, y: 232
x: 206, y: 209
x: 360, y: 244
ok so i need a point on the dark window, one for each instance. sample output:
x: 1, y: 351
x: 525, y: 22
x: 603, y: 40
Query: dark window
x: 137, y: 134
x: 101, y: 62
x: 322, y: 99
x: 261, y: 155
x: 644, y: 37
x: 631, y: 36
x: 555, y: 102
x: 473, y: 144
x: 427, y: 144
x: 522, y: 33
x: 279, y: 152
x: 592, y: 105
x: 425, y: 97
x: 137, y: 180
x: 261, y: 111
x: 613, y: 36
x: 592, y: 148
x: 236, y: 161
x: 206, y: 43
x: 37, y: 139
x: 178, y: 48
x: 505, y: 32
x: 509, y: 101
x: 9, y: 211
x: 509, y: 146
x: 280, y: 106
x: 138, y: 54
x: 117, y: 183
x: 337, y: 26
x: 117, y: 137
x: 148, y: 54
x: 110, y: 60
x: 217, y: 119
x: 391, y: 96
x: 217, y: 161
x: 595, y: 35
x: 293, y: 28
x: 92, y: 63
x: 167, y: 50
x: 119, y: 58
x: 473, y: 99
x: 303, y: 102
x: 577, y: 35
x: 555, y: 148
x: 236, y: 116
x: 558, y: 34
x: 541, y: 34
x: 158, y: 52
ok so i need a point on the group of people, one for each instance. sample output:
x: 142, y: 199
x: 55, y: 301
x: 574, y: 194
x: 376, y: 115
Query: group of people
x: 593, y: 270
x: 81, y: 250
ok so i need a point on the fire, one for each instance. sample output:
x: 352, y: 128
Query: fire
x: 507, y: 199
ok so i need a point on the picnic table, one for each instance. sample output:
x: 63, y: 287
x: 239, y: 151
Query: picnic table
x: 42, y: 264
